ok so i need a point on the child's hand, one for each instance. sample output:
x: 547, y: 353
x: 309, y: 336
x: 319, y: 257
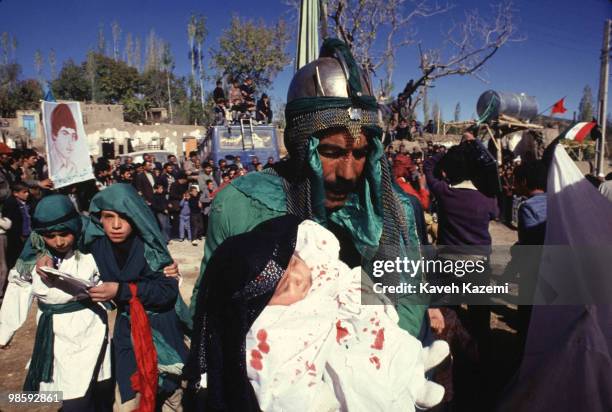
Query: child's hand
x: 294, y: 285
x: 172, y: 271
x: 104, y: 291
x: 436, y: 319
x: 43, y: 261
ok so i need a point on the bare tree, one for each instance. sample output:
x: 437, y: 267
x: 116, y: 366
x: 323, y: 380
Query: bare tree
x: 200, y: 36
x: 152, y: 56
x: 101, y: 39
x: 191, y: 31
x: 128, y: 53
x: 14, y: 47
x: 90, y: 67
x: 6, y: 40
x: 168, y: 64
x: 116, y: 31
x: 376, y: 29
x: 53, y: 64
x: 38, y: 65
x: 472, y: 43
x: 425, y: 105
x: 137, y: 53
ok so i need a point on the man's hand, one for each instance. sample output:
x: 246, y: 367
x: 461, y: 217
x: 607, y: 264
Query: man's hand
x: 294, y: 285
x: 46, y: 184
x: 172, y: 271
x: 436, y: 320
x: 43, y: 261
x: 104, y: 291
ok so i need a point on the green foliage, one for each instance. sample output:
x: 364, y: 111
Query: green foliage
x: 115, y: 81
x: 17, y: 94
x: 72, y: 83
x: 134, y: 110
x: 252, y: 49
x: 154, y: 88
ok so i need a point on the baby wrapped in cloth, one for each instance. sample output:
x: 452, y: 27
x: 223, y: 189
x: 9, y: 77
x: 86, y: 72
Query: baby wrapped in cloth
x: 325, y: 352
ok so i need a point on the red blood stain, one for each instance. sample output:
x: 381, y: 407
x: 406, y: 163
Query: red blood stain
x: 311, y: 367
x: 380, y: 339
x: 324, y: 242
x: 262, y: 335
x: 375, y: 361
x: 341, y: 332
x: 264, y: 347
x: 372, y: 320
x: 377, y: 323
x: 373, y: 332
x: 365, y: 329
x: 255, y: 354
x: 256, y: 364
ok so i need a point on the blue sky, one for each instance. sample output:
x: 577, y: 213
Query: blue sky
x: 561, y: 53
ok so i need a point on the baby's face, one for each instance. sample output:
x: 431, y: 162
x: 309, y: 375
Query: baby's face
x: 294, y: 285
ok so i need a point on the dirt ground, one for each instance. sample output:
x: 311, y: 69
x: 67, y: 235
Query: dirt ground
x: 14, y: 358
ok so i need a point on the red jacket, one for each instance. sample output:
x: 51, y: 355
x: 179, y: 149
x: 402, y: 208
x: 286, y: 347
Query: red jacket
x: 422, y: 194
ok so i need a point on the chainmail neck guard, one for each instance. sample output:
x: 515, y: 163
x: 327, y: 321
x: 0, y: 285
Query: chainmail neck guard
x: 395, y: 238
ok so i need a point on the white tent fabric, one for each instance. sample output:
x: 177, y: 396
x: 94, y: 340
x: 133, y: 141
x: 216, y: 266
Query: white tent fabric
x: 567, y: 365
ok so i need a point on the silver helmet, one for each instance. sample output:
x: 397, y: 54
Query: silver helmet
x: 330, y: 103
x: 324, y: 77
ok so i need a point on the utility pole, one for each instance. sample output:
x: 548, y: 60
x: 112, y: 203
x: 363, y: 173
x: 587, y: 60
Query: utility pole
x: 602, y: 100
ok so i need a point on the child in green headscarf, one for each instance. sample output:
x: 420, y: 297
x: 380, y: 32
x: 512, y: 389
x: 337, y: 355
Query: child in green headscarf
x: 148, y: 339
x: 70, y: 353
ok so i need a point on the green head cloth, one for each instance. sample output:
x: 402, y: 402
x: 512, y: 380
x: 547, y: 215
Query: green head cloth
x: 123, y: 199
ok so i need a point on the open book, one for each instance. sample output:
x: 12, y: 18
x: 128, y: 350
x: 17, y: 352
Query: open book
x: 67, y: 282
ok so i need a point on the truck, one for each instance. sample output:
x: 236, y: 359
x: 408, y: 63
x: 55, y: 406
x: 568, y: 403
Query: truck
x: 245, y: 139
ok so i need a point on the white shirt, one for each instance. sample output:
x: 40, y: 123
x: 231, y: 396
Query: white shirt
x: 78, y: 336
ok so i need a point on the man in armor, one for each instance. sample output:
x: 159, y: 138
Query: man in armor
x: 336, y: 174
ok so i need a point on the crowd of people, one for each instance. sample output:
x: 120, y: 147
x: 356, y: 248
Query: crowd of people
x: 240, y: 103
x: 276, y: 316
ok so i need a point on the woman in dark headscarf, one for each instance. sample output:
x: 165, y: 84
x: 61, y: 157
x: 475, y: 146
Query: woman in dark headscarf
x: 148, y: 340
x: 70, y: 352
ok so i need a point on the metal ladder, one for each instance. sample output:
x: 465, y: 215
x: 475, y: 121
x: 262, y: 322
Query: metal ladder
x: 246, y: 128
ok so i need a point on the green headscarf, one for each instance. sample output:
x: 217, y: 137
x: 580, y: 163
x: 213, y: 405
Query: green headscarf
x: 123, y: 199
x: 54, y: 213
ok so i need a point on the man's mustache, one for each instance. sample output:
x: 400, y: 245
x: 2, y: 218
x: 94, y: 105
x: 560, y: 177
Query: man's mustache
x: 341, y: 186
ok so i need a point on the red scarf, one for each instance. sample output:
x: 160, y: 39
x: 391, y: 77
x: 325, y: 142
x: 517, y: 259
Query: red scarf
x: 144, y: 380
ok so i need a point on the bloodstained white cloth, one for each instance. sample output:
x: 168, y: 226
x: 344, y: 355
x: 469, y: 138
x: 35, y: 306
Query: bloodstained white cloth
x: 328, y: 351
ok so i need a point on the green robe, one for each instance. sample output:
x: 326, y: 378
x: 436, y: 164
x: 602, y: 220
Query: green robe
x: 257, y: 197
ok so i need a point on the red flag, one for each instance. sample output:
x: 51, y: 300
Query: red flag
x: 558, y: 107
